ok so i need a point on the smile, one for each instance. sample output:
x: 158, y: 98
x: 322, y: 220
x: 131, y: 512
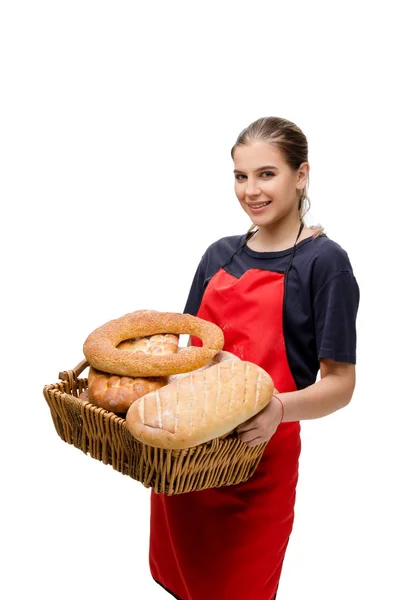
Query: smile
x: 257, y: 207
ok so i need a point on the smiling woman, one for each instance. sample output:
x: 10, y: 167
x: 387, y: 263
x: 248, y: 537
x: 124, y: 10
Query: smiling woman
x: 286, y: 299
x: 271, y: 179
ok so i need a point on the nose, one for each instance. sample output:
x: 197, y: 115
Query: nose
x: 252, y: 190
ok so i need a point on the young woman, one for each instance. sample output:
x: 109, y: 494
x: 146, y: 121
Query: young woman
x: 286, y: 299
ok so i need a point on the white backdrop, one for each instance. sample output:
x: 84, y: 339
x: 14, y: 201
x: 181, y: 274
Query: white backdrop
x: 117, y: 122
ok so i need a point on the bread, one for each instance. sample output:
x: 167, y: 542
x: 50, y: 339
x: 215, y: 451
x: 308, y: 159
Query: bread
x: 201, y: 405
x: 100, y: 347
x: 116, y: 393
x: 158, y: 345
x: 219, y: 357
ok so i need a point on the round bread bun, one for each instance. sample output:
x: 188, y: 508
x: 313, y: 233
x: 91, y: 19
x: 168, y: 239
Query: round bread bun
x: 158, y: 345
x: 100, y: 347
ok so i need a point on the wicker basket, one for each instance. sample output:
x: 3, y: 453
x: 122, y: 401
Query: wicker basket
x: 105, y: 436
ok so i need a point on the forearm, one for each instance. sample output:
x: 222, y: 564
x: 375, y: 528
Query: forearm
x: 319, y: 399
x: 332, y: 392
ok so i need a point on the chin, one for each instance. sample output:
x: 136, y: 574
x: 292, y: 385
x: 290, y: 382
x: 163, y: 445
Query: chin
x: 265, y: 222
x: 263, y: 219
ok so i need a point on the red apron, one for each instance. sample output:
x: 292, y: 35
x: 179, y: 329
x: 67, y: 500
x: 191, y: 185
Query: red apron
x: 229, y: 543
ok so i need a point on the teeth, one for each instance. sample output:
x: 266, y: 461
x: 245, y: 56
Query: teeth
x: 260, y: 205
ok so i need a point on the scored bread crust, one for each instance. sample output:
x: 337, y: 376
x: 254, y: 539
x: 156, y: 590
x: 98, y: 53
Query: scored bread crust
x: 200, y: 406
x: 100, y: 347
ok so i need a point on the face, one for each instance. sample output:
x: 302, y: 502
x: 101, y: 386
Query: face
x: 263, y: 177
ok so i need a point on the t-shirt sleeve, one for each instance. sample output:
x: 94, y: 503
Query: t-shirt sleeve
x: 197, y: 288
x: 335, y: 309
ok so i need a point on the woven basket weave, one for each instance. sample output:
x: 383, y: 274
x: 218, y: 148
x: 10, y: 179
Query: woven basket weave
x: 105, y: 436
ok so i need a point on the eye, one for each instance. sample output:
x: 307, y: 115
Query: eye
x: 239, y: 175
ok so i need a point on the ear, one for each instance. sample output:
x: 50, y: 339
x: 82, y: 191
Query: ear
x: 303, y: 173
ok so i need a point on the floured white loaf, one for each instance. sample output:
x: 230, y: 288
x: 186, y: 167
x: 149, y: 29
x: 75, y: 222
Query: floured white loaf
x: 200, y: 406
x: 220, y: 356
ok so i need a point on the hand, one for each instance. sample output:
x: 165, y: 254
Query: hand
x: 261, y: 427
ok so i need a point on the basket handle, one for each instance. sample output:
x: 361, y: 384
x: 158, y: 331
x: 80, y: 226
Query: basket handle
x: 65, y: 375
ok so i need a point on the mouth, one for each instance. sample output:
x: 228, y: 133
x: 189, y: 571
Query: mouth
x: 258, y: 207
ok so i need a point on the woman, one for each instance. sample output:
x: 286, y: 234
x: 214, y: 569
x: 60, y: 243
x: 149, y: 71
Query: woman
x: 286, y: 299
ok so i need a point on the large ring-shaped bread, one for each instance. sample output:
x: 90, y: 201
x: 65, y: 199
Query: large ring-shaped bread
x: 100, y: 348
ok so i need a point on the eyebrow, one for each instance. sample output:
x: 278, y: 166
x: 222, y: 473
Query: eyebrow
x: 258, y: 169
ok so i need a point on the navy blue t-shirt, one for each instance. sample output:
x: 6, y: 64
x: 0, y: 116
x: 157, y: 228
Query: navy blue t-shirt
x: 320, y: 302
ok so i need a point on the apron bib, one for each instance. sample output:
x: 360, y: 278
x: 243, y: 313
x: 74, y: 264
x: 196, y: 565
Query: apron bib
x: 229, y: 543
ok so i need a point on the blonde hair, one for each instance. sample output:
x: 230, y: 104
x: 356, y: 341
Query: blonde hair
x: 291, y: 142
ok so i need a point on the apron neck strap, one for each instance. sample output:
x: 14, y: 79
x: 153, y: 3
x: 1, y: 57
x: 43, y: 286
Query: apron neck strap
x: 293, y: 249
x: 249, y: 236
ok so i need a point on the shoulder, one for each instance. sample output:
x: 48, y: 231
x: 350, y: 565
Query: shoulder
x: 220, y: 250
x: 228, y: 243
x: 328, y: 255
x: 328, y: 260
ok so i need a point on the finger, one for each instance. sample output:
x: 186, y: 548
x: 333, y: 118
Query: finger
x: 242, y: 429
x: 255, y: 442
x: 254, y: 434
x: 247, y: 429
x: 246, y: 426
x: 250, y: 435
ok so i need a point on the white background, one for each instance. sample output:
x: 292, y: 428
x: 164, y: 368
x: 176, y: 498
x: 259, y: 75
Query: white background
x: 117, y: 121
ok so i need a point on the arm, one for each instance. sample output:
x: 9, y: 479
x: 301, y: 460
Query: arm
x: 334, y: 308
x: 333, y: 391
x: 336, y: 298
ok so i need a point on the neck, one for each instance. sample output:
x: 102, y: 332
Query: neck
x: 276, y: 236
